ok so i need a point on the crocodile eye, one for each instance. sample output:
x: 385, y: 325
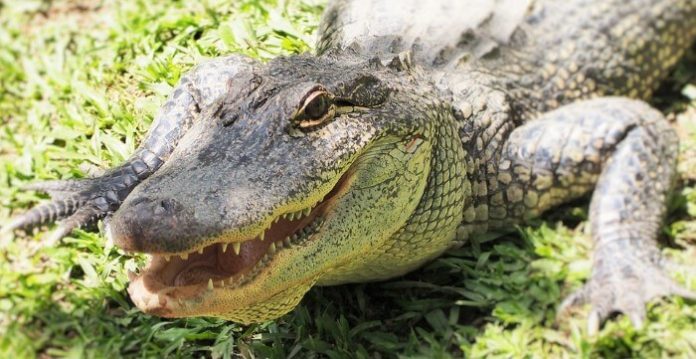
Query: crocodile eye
x: 315, y: 109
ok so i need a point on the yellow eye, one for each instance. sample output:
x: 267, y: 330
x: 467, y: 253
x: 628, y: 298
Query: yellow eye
x: 315, y: 109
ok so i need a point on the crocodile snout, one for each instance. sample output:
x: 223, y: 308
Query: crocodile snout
x: 144, y: 224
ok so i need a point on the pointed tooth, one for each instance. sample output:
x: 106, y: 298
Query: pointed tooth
x: 287, y: 241
x: 237, y: 246
x: 184, y: 256
x: 272, y: 248
x: 262, y: 236
x: 222, y: 283
x: 200, y: 251
x: 224, y: 247
x: 210, y: 284
x: 151, y: 301
x: 275, y: 220
x: 306, y: 211
x: 167, y: 257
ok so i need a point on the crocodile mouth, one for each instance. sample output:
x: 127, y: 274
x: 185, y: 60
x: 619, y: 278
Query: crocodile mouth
x: 228, y: 265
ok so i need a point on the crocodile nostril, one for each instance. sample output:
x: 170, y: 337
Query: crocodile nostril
x: 167, y: 206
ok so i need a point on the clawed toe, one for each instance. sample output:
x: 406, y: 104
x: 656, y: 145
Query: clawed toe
x: 76, y: 202
x: 626, y: 290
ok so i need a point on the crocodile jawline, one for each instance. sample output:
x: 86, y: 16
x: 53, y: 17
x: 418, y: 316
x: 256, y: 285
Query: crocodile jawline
x: 233, y: 264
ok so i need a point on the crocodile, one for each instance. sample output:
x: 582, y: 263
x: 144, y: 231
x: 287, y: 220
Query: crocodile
x: 408, y: 132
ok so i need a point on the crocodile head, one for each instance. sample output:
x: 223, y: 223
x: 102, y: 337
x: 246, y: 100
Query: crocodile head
x: 301, y: 175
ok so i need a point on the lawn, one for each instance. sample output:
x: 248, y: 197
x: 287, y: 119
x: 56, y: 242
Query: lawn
x: 80, y: 82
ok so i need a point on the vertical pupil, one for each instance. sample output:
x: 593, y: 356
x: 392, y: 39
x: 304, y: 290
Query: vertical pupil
x: 317, y: 107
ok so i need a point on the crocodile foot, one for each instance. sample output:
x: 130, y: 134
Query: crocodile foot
x: 76, y: 202
x: 623, y: 283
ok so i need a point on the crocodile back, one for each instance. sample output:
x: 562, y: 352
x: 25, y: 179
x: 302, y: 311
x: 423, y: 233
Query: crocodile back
x: 541, y: 53
x: 581, y: 49
x: 437, y: 32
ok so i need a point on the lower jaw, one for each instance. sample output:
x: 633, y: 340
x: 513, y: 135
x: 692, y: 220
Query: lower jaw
x: 253, y: 306
x: 175, y: 292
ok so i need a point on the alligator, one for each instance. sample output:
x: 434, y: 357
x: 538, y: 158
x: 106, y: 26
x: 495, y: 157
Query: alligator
x: 409, y: 131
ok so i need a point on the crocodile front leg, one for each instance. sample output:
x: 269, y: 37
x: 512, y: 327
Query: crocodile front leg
x: 83, y: 201
x: 626, y: 151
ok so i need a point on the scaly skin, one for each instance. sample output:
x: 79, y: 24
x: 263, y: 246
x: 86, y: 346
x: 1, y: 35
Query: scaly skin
x: 410, y: 131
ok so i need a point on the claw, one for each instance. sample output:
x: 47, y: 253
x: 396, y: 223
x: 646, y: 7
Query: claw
x: 45, y: 213
x: 623, y: 294
x: 683, y: 292
x: 593, y: 322
x: 578, y: 298
x: 637, y: 317
x: 81, y: 217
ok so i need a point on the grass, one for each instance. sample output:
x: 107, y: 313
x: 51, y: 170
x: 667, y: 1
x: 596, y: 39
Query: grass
x: 79, y: 84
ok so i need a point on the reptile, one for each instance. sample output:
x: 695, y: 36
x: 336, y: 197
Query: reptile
x: 409, y: 131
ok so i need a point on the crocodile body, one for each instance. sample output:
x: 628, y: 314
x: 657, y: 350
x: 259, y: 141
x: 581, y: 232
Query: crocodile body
x: 411, y: 130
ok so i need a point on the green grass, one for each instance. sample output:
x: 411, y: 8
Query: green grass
x: 79, y: 84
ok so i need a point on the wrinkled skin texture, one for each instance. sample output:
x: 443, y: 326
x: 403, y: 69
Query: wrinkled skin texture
x: 404, y: 136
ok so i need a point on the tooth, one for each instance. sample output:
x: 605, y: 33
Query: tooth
x: 184, y: 256
x: 222, y: 283
x: 262, y: 236
x: 237, y: 246
x: 210, y: 284
x: 200, y: 251
x: 167, y: 257
x: 287, y: 241
x: 151, y: 301
x: 275, y: 220
x: 306, y: 211
x: 272, y: 248
x: 224, y: 247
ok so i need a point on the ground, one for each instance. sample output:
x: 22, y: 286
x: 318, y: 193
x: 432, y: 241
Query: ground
x: 79, y: 85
